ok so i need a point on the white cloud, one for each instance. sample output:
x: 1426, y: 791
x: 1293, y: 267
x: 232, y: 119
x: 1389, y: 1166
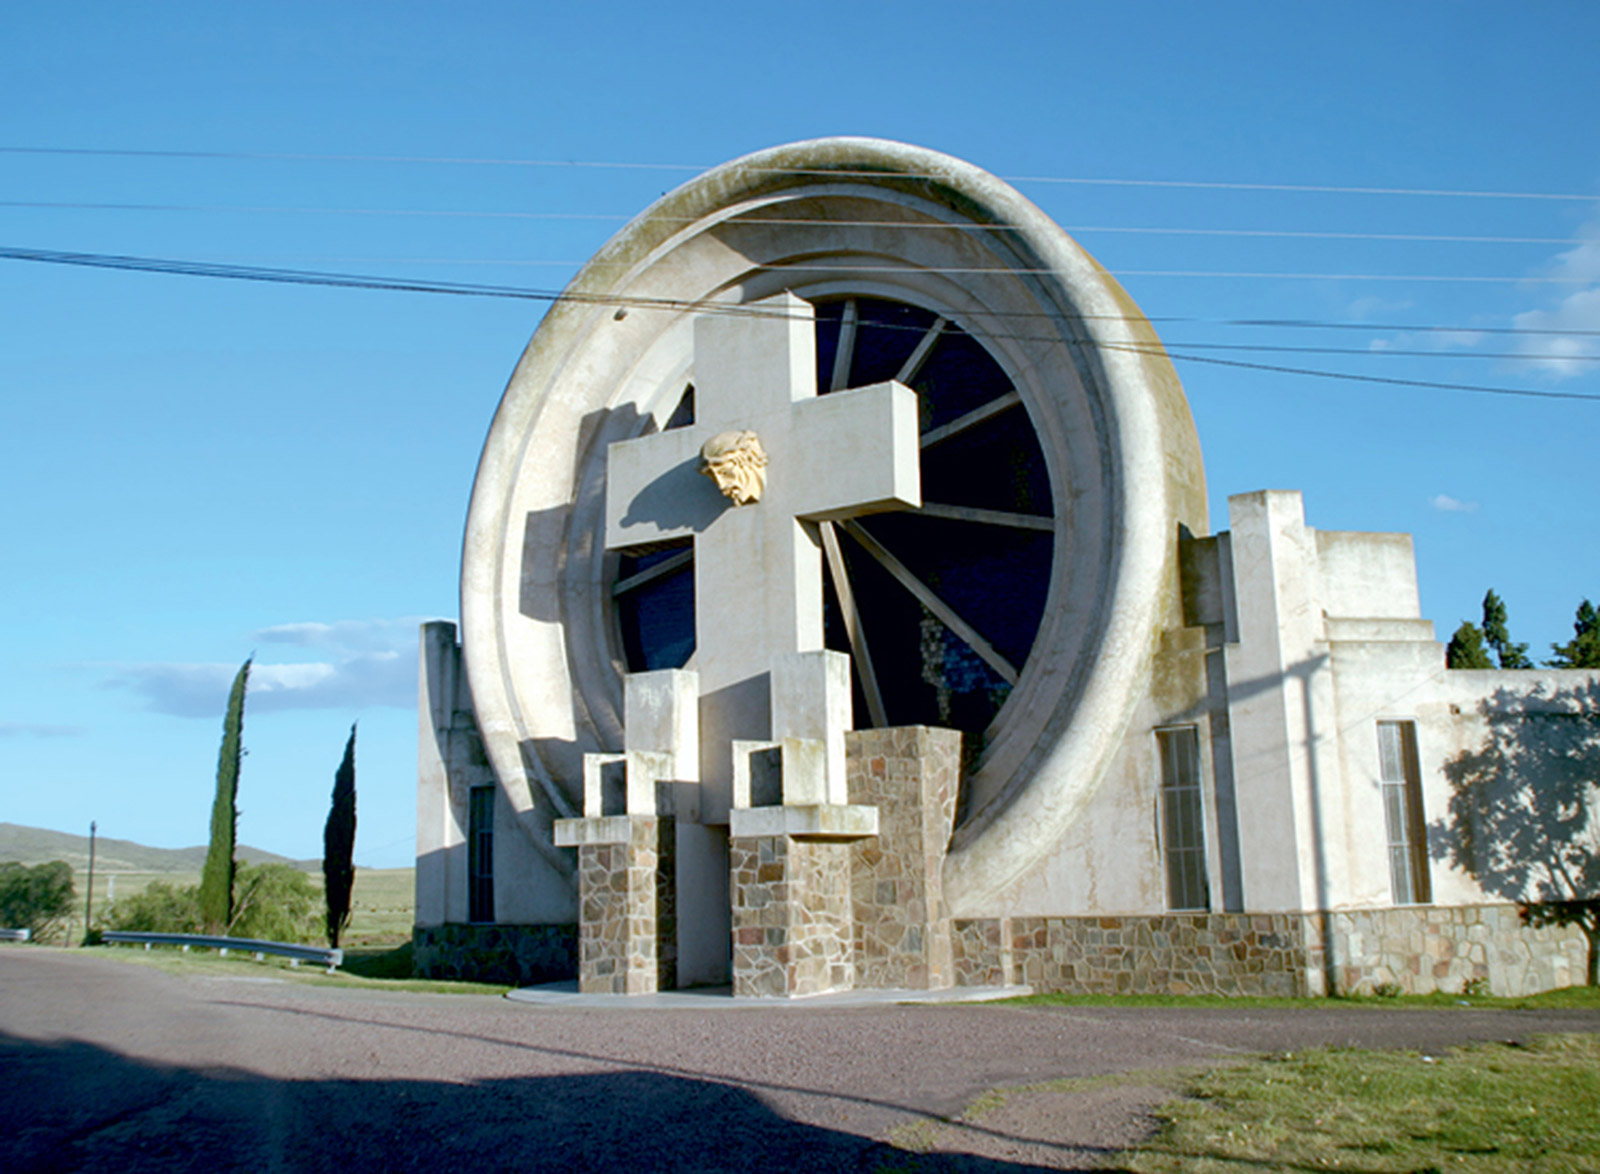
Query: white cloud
x: 1561, y: 356
x: 1372, y: 306
x: 349, y: 635
x: 367, y: 663
x: 39, y: 730
x: 1429, y: 340
x: 1451, y: 505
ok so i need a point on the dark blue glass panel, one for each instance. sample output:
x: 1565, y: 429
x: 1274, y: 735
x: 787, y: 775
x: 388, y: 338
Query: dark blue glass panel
x: 829, y: 315
x: 958, y: 377
x: 996, y: 465
x: 657, y: 619
x: 994, y: 577
x: 682, y: 415
x: 886, y: 334
x: 926, y: 674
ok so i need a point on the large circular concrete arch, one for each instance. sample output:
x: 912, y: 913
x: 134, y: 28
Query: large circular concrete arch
x: 825, y: 218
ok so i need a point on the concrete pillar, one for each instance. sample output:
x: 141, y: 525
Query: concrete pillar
x: 1280, y: 705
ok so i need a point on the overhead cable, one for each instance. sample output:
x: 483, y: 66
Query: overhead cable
x: 913, y: 226
x: 299, y: 277
x: 821, y: 172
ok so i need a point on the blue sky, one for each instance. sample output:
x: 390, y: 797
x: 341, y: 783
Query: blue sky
x: 192, y: 470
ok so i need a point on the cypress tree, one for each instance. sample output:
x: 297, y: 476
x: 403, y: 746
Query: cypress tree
x: 216, y: 881
x: 1583, y: 650
x: 339, y: 843
x: 1511, y: 654
x: 1466, y: 650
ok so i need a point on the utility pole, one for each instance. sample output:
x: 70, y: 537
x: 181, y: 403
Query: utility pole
x: 88, y: 901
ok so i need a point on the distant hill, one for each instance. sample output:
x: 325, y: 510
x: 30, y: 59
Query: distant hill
x: 28, y: 845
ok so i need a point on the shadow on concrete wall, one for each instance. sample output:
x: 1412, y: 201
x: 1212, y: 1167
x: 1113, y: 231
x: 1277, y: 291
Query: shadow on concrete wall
x: 1524, y: 815
x: 74, y: 1106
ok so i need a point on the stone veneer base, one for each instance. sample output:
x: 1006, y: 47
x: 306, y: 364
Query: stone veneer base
x: 1418, y: 949
x: 517, y: 955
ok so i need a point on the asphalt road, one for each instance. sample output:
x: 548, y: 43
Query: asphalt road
x: 109, y: 1066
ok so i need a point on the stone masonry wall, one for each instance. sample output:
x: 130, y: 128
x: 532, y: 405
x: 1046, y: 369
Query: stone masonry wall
x: 981, y: 952
x: 791, y: 916
x: 1427, y: 948
x: 627, y: 895
x: 911, y: 775
x: 517, y: 955
x: 1217, y: 953
x: 1417, y: 949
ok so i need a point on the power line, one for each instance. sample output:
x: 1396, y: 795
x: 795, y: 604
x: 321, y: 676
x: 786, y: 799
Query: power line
x: 823, y: 172
x: 1259, y: 348
x: 300, y: 277
x: 1526, y: 392
x: 366, y: 281
x: 620, y: 218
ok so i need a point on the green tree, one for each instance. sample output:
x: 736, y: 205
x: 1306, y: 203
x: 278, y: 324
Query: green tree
x: 339, y: 844
x: 1466, y: 649
x: 1524, y: 814
x: 277, y: 902
x: 37, y: 899
x: 159, y: 908
x: 1511, y: 654
x: 1583, y: 650
x: 216, y: 880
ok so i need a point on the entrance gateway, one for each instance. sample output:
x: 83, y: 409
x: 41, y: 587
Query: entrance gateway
x: 837, y: 609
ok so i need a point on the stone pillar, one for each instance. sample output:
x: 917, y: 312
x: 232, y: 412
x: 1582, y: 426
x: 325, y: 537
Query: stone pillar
x: 791, y: 916
x: 790, y: 832
x: 902, y: 931
x: 627, y: 938
x: 627, y: 840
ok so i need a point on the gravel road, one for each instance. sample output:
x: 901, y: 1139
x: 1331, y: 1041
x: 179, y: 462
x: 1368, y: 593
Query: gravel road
x: 109, y: 1066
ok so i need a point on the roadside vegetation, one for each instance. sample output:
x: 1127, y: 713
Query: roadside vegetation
x: 37, y: 899
x: 1481, y: 1108
x: 366, y: 969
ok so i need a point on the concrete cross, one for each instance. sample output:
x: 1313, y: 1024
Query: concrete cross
x: 758, y: 567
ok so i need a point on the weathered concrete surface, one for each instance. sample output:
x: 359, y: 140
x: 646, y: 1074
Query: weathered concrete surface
x: 112, y: 1066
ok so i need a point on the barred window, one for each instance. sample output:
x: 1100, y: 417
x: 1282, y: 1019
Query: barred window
x: 1402, y: 813
x: 480, y: 854
x: 1183, y: 819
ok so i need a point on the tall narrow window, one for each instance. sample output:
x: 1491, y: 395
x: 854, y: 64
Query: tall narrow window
x: 480, y: 854
x: 1402, y: 813
x: 1182, y: 819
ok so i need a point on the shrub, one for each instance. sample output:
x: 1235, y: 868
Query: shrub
x: 37, y: 899
x: 274, y: 902
x: 161, y: 908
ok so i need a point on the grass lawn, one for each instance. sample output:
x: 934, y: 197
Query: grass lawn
x: 371, y: 969
x: 1566, y: 997
x: 1487, y: 1107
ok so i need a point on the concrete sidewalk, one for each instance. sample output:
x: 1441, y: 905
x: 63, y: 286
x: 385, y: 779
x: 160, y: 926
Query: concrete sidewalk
x: 720, y: 998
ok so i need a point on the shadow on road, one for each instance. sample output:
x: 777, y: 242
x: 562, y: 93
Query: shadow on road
x: 74, y: 1106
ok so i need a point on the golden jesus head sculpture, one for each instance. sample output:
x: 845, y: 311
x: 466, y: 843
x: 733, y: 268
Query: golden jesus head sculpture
x: 737, y: 463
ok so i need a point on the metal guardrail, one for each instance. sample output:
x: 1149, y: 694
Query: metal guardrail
x: 14, y: 935
x: 293, y: 951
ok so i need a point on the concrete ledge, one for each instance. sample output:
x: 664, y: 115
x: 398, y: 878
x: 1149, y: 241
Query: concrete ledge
x: 604, y: 829
x: 816, y: 821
